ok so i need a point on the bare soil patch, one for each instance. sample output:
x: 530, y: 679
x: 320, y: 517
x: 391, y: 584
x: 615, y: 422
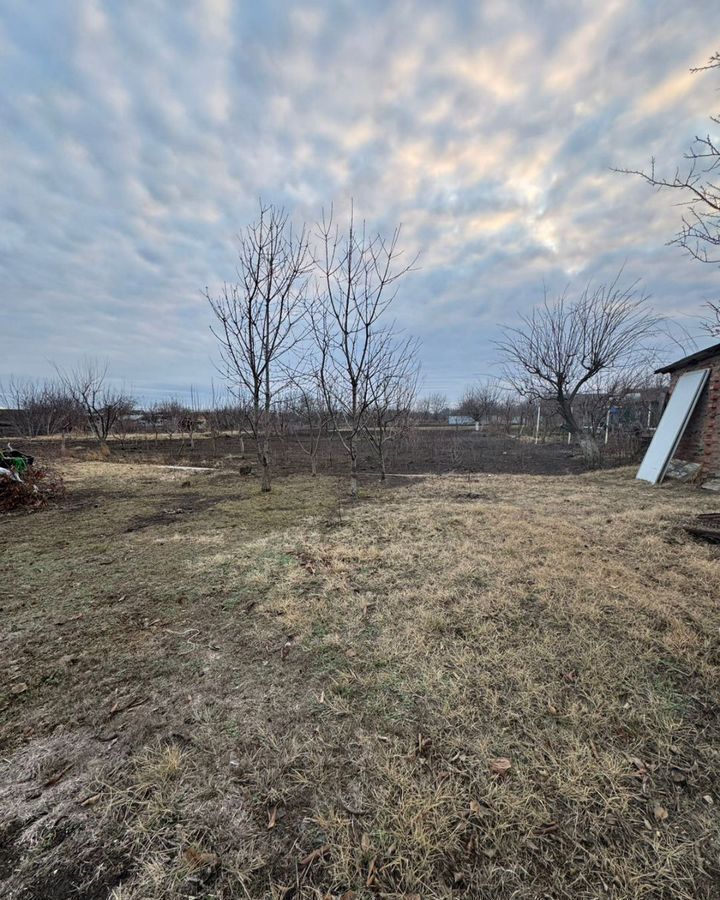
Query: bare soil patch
x: 490, y: 686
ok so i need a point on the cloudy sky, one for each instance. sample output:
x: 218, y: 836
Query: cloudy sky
x: 137, y: 137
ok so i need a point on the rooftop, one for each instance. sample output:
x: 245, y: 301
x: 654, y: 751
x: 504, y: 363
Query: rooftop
x: 686, y: 361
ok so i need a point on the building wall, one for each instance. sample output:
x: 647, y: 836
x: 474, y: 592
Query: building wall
x: 701, y: 441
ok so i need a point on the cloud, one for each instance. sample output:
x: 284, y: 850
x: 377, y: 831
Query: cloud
x: 138, y: 137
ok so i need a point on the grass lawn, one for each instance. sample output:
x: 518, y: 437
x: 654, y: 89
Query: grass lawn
x: 493, y: 687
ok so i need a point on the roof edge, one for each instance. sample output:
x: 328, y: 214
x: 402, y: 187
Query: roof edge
x: 697, y: 357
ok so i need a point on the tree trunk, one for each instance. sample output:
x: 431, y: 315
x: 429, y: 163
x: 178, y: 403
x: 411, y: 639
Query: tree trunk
x: 265, y: 464
x: 313, y: 464
x: 353, y: 471
x: 588, y: 445
x: 266, y: 487
x: 382, y: 463
x: 590, y: 450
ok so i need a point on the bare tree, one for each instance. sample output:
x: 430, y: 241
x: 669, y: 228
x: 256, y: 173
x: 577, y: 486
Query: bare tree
x: 525, y: 413
x: 393, y: 386
x: 240, y: 410
x: 256, y: 318
x: 123, y: 425
x: 610, y: 389
x: 481, y: 401
x: 154, y: 418
x: 181, y: 417
x: 191, y: 417
x: 312, y: 416
x: 438, y: 405
x: 421, y: 413
x: 39, y: 407
x: 564, y: 347
x: 217, y: 416
x: 284, y: 418
x: 358, y: 282
x: 509, y: 410
x: 696, y: 184
x: 432, y: 407
x: 102, y: 404
x: 170, y: 413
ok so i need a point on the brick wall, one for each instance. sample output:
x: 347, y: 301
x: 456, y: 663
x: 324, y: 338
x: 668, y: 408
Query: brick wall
x: 701, y: 441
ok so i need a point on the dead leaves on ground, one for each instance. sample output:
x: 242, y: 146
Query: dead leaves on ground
x: 314, y: 856
x: 500, y: 766
x: 478, y: 809
x: 195, y: 860
x: 640, y: 768
x: 57, y: 776
x: 120, y: 706
x: 661, y: 814
x: 305, y: 863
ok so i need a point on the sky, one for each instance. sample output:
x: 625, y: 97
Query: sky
x: 138, y: 136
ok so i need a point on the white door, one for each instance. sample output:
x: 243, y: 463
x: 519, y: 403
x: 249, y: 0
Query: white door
x: 672, y: 425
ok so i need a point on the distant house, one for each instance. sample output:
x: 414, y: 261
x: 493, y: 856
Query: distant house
x: 700, y: 441
x: 461, y: 420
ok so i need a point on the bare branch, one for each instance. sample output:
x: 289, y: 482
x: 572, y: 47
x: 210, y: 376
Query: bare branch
x: 101, y: 404
x: 358, y: 278
x: 696, y: 184
x: 257, y: 318
x: 565, y: 347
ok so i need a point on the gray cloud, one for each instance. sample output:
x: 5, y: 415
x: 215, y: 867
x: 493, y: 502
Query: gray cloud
x: 137, y: 138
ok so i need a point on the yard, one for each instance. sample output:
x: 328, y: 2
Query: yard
x: 488, y: 686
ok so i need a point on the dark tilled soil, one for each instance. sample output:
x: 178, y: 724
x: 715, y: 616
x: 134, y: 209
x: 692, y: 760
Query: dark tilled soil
x: 425, y: 450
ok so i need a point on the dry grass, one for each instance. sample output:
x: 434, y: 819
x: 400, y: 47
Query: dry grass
x: 286, y: 696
